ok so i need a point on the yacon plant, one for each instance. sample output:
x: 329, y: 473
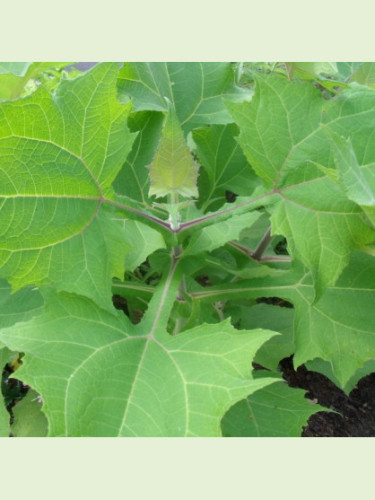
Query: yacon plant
x: 153, y: 217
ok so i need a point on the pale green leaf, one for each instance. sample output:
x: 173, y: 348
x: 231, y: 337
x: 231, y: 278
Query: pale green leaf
x: 173, y: 170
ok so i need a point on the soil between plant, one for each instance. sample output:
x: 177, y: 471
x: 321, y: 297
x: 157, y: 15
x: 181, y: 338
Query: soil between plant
x: 356, y: 412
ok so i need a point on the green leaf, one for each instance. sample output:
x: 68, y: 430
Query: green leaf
x: 339, y: 328
x: 134, y: 180
x: 142, y: 240
x: 99, y: 375
x: 173, y: 170
x: 224, y: 165
x: 15, y: 77
x: 20, y: 306
x: 346, y: 69
x: 16, y: 68
x: 364, y: 74
x: 29, y: 420
x: 269, y: 317
x: 5, y: 355
x: 324, y: 367
x: 282, y: 138
x: 312, y: 70
x: 58, y: 163
x: 215, y: 236
x: 195, y: 89
x: 275, y: 411
x: 358, y: 183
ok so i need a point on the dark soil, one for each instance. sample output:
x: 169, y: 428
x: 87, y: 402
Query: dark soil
x: 356, y: 412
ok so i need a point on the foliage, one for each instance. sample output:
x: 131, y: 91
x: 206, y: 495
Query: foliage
x: 196, y: 198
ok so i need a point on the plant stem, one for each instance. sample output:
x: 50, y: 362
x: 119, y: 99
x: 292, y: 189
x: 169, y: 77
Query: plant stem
x: 262, y: 245
x: 139, y: 213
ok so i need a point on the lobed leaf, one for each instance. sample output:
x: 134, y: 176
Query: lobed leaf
x: 59, y: 155
x: 99, y: 375
x: 282, y: 138
x: 339, y: 328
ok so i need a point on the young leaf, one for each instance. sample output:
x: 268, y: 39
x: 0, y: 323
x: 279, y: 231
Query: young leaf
x: 173, y: 170
x: 195, y: 89
x: 58, y: 160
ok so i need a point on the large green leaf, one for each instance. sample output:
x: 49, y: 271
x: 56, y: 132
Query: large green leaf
x: 282, y: 137
x: 275, y: 411
x: 339, y: 328
x: 59, y: 156
x: 195, y: 89
x: 99, y: 375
